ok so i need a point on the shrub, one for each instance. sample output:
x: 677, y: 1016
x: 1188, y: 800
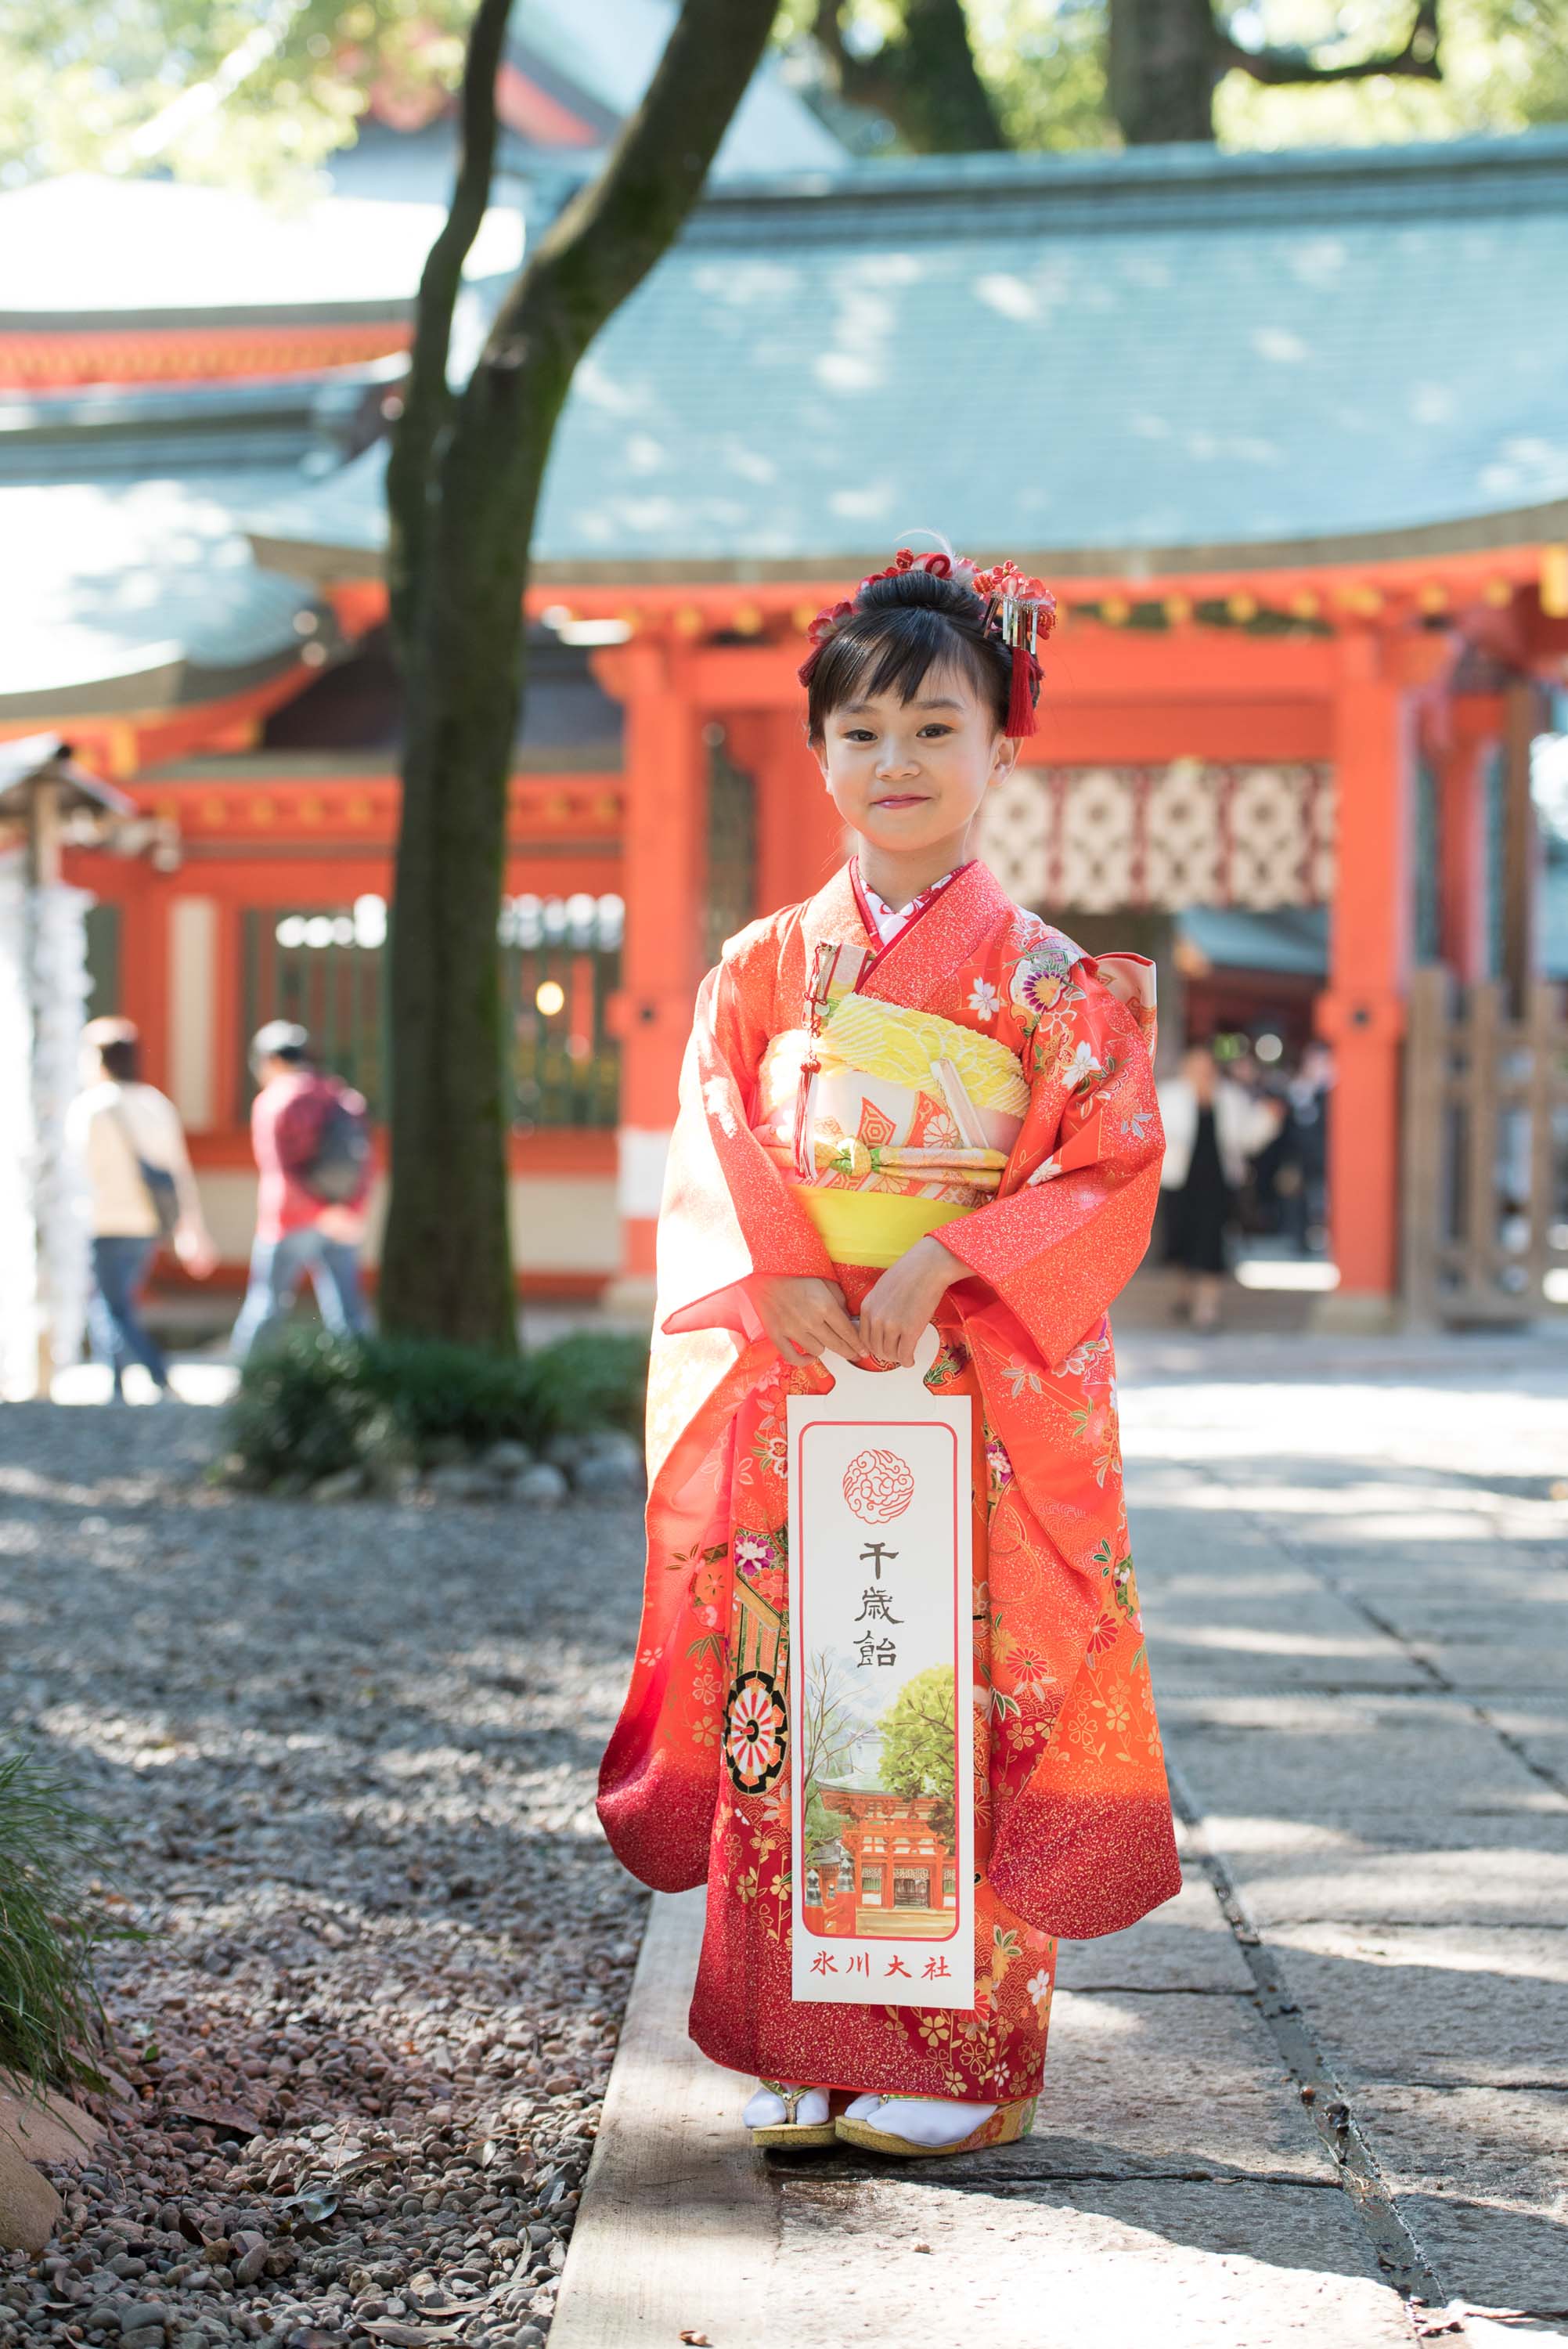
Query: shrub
x: 303, y: 1410
x: 595, y: 1378
x: 50, y: 2012
x: 313, y: 1404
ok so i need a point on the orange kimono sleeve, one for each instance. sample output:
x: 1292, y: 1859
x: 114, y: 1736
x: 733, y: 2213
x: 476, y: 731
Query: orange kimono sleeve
x: 728, y: 1216
x: 1083, y: 1181
x: 727, y: 1212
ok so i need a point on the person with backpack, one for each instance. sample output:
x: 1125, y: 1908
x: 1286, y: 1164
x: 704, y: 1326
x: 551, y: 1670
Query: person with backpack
x: 310, y: 1136
x: 128, y: 1139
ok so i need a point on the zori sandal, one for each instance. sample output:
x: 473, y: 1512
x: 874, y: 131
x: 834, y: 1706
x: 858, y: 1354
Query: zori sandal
x: 1005, y: 2125
x: 790, y: 2135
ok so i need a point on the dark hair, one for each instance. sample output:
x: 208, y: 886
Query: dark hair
x: 280, y: 1040
x: 901, y: 628
x: 120, y: 1058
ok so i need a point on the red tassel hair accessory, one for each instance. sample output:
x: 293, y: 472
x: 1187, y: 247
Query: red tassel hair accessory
x: 1022, y: 612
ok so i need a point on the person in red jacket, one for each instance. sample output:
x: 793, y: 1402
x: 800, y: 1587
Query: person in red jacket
x: 311, y: 1138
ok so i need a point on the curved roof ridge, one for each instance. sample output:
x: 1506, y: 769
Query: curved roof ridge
x: 1520, y: 159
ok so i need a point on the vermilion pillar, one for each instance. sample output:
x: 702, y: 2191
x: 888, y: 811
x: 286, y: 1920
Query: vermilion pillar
x: 1362, y: 1013
x: 1464, y: 849
x: 662, y: 864
x: 799, y: 834
x: 1462, y: 857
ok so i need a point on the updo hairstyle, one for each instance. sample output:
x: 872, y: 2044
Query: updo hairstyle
x: 898, y: 629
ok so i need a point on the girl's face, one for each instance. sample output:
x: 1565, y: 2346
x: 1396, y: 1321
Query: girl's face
x: 909, y: 775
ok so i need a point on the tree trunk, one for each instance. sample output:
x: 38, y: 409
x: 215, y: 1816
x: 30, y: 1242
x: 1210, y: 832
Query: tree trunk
x: 1162, y: 67
x: 463, y: 488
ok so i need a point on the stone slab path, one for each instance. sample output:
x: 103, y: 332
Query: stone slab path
x: 1322, y: 2097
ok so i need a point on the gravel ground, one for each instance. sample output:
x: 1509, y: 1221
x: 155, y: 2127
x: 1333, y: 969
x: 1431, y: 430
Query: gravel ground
x: 348, y: 1753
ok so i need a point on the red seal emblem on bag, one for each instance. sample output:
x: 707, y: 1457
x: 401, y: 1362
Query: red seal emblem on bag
x: 879, y: 1485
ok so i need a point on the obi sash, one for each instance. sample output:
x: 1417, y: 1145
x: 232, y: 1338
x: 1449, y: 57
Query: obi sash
x: 873, y: 1227
x: 888, y: 1123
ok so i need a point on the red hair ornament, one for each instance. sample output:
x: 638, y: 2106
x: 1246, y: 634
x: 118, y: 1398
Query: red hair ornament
x: 1021, y: 610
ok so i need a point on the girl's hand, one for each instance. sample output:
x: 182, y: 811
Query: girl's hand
x: 803, y: 1315
x: 904, y: 1300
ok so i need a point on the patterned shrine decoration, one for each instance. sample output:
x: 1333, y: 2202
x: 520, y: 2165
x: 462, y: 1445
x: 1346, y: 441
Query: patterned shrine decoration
x: 755, y: 1733
x: 1191, y: 833
x: 879, y: 1486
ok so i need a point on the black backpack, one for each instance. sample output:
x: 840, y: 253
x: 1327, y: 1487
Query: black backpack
x: 335, y: 1171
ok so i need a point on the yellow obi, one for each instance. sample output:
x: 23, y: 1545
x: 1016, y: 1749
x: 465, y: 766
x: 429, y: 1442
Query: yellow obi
x: 873, y: 1227
x: 905, y: 1122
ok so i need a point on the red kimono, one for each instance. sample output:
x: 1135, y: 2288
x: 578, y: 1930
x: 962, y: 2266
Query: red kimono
x: 979, y: 1076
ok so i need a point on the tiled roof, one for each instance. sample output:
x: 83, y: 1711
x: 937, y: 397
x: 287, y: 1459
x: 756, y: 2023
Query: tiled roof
x: 1099, y: 360
x: 87, y: 249
x: 139, y: 595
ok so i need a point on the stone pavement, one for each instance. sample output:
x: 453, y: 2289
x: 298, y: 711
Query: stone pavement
x: 1322, y: 2097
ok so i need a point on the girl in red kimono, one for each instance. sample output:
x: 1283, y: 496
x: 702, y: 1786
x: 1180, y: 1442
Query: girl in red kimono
x: 906, y: 1101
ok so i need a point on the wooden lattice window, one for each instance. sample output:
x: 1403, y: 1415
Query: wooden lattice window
x: 560, y: 961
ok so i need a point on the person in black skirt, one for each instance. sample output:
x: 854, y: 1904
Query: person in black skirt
x: 1212, y: 1127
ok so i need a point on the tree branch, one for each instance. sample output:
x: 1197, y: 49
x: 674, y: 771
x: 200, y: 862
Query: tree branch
x: 924, y: 79
x: 427, y: 399
x: 1417, y: 61
x: 612, y: 232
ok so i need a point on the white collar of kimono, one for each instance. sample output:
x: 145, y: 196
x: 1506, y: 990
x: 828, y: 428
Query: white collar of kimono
x: 888, y: 919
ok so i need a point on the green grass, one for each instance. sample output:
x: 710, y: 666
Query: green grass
x: 50, y: 2018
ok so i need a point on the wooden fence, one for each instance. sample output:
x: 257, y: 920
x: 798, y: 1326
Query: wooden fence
x: 1486, y: 1152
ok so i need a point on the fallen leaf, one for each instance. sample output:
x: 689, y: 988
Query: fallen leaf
x: 697, y: 2340
x: 311, y: 2209
x: 232, y: 2120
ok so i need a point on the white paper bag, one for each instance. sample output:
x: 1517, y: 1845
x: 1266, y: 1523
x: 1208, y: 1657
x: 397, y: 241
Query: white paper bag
x: 880, y: 1690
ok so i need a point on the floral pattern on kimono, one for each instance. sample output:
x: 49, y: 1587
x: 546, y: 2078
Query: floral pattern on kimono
x: 1073, y: 1823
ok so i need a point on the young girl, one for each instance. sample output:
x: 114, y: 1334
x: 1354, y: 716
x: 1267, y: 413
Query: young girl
x: 905, y: 1102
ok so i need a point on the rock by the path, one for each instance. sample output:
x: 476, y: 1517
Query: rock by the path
x: 540, y: 1486
x: 607, y: 1476
x: 141, y: 2316
x: 30, y: 2209
x: 47, y: 2127
x: 506, y: 1458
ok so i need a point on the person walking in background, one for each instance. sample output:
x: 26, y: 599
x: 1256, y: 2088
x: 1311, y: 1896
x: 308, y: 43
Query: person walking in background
x: 129, y: 1141
x: 310, y: 1133
x: 1212, y: 1127
x: 1308, y: 1093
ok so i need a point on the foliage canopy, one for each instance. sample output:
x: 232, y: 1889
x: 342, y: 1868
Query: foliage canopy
x: 917, y: 1743
x: 259, y: 93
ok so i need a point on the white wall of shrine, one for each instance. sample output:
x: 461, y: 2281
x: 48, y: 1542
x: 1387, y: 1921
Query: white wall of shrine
x: 1191, y: 833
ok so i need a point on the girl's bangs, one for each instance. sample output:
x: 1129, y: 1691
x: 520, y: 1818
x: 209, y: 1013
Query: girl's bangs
x: 895, y: 651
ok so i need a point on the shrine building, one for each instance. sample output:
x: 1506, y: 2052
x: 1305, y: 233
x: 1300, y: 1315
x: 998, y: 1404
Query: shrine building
x: 889, y: 1856
x: 1286, y: 432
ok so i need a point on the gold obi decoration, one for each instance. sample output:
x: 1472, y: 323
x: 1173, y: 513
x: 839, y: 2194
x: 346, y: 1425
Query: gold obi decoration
x: 917, y: 1049
x: 904, y: 1122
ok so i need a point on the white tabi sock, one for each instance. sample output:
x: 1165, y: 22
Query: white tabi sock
x: 767, y: 2110
x: 930, y: 2121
